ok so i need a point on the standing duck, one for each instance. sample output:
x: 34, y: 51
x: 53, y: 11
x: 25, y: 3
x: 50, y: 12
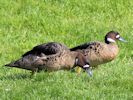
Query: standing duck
x: 51, y: 56
x: 99, y: 52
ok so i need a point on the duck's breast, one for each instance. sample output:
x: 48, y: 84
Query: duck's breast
x: 100, y: 54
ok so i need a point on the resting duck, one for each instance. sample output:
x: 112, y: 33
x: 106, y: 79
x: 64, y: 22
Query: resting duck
x: 99, y: 52
x: 51, y: 56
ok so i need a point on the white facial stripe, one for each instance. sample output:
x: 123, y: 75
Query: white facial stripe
x: 86, y: 66
x: 110, y: 40
x: 117, y: 36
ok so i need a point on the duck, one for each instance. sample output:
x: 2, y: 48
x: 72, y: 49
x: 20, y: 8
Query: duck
x: 98, y: 53
x: 51, y: 56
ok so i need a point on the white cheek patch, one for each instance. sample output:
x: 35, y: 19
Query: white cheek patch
x: 86, y: 66
x: 117, y: 36
x: 110, y: 40
x: 76, y: 60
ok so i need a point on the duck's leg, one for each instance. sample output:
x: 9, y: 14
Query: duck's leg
x: 34, y: 70
x: 78, y: 70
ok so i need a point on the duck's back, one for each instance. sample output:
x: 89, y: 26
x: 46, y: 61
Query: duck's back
x: 46, y: 48
x: 97, y: 52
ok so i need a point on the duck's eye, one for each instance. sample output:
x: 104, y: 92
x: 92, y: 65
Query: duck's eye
x: 117, y: 36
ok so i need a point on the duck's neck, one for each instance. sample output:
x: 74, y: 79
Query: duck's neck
x: 111, y: 43
x: 113, y: 48
x: 79, y: 58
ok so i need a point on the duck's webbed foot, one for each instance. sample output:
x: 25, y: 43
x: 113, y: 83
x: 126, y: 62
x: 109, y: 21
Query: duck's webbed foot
x: 78, y: 70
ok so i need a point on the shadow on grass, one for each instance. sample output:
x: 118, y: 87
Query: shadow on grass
x: 17, y: 76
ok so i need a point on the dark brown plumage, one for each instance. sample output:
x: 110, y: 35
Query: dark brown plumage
x: 46, y: 48
x: 58, y: 57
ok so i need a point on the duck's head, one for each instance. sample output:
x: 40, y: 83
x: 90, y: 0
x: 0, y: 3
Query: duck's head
x: 112, y: 37
x: 82, y: 62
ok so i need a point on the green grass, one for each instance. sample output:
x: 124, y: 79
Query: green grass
x: 26, y: 23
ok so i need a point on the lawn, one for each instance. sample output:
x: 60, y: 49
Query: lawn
x: 26, y: 23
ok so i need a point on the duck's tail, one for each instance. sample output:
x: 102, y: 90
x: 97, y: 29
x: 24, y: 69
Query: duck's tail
x: 23, y: 63
x: 12, y: 64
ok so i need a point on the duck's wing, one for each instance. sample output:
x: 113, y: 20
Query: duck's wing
x: 84, y: 46
x: 46, y: 48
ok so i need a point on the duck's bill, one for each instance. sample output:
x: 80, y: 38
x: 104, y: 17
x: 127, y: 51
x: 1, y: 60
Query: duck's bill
x: 88, y: 69
x: 89, y: 72
x: 121, y: 39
